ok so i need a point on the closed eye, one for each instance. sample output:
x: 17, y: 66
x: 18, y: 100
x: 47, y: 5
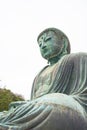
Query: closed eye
x: 47, y: 39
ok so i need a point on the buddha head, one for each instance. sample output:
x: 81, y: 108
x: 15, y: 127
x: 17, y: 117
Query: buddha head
x: 53, y: 43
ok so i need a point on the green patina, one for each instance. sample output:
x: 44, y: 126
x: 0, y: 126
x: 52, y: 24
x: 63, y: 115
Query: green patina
x: 59, y: 91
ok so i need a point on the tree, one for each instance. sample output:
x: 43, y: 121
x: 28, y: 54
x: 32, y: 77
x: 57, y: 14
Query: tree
x: 6, y: 97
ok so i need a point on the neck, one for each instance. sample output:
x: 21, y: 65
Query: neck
x: 55, y: 59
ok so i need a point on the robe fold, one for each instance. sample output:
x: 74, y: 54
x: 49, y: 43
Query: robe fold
x: 63, y: 87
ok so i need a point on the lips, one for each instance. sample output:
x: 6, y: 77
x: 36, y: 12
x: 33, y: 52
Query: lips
x: 44, y: 50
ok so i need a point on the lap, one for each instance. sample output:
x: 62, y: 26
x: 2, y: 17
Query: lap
x: 48, y: 112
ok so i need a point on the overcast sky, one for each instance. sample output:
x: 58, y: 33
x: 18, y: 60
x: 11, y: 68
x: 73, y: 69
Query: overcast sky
x: 20, y: 23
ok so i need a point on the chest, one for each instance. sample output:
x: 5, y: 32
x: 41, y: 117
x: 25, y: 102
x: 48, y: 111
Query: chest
x: 45, y: 80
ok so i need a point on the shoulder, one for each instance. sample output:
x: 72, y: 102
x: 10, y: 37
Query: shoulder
x: 41, y: 71
x: 76, y: 56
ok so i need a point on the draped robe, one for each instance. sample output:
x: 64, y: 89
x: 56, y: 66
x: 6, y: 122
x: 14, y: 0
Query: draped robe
x: 61, y: 87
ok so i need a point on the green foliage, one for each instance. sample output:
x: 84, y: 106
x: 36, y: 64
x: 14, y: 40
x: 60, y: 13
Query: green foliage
x: 6, y: 97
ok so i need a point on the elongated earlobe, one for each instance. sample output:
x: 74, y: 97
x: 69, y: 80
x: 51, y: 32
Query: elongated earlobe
x: 66, y: 49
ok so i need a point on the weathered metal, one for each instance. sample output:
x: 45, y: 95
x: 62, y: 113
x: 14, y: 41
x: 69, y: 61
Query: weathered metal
x: 59, y: 92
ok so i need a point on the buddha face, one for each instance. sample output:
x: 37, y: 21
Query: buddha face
x: 50, y: 45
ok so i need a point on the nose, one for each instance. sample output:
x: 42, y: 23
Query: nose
x: 43, y: 45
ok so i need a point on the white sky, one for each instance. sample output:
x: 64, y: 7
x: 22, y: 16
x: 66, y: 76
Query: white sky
x: 20, y: 23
